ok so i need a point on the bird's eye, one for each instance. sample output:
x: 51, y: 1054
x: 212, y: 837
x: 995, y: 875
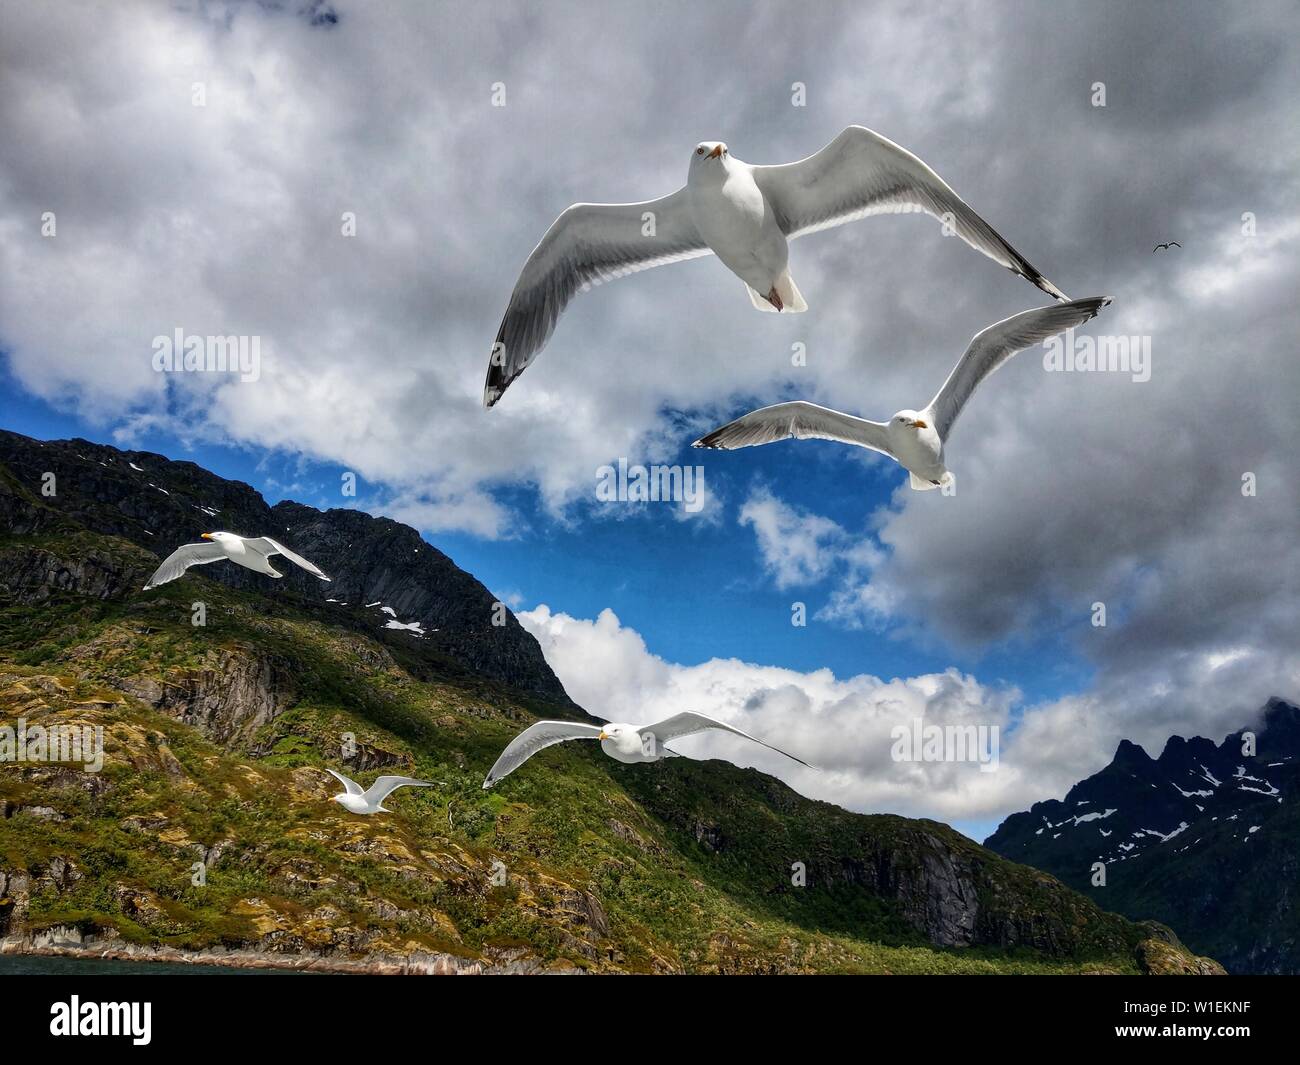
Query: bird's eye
x: 699, y: 151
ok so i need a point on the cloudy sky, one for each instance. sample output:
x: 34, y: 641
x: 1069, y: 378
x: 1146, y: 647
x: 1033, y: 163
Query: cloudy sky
x: 1073, y: 488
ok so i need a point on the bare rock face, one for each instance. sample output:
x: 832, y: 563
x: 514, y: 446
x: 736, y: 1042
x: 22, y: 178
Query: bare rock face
x: 228, y: 700
x: 30, y: 575
x: 55, y: 875
x: 941, y: 897
x: 363, y: 756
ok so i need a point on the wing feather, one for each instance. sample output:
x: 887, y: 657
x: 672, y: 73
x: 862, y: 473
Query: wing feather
x: 385, y: 786
x: 350, y: 786
x: 589, y: 244
x: 861, y: 173
x: 801, y: 420
x: 267, y: 546
x: 993, y: 346
x: 689, y: 723
x: 185, y: 556
x: 534, y: 738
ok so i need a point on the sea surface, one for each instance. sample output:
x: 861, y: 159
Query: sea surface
x: 36, y: 965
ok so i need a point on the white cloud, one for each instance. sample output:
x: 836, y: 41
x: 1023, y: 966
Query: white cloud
x: 795, y: 546
x: 841, y: 725
x: 226, y: 220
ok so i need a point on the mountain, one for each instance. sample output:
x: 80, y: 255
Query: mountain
x: 158, y: 504
x: 1206, y: 838
x: 209, y: 832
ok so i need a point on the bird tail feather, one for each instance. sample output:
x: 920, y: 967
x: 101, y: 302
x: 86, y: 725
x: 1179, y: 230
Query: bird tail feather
x: 789, y: 292
x: 920, y: 484
x: 759, y: 302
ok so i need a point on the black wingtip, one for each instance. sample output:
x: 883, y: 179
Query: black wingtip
x: 493, y: 387
x: 1024, y: 268
x: 1097, y: 303
x: 496, y: 382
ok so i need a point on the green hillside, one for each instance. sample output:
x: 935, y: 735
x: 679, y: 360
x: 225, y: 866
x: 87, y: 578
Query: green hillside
x: 216, y: 736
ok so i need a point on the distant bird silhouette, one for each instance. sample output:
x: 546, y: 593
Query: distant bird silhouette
x: 1172, y: 243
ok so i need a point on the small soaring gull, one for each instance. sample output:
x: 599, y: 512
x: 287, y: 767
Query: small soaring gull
x: 1166, y: 247
x: 915, y: 439
x: 623, y: 743
x: 246, y: 551
x: 744, y: 214
x: 371, y: 801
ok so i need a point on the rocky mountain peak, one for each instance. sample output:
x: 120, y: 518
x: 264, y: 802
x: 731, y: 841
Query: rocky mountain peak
x: 1182, y: 835
x: 381, y: 570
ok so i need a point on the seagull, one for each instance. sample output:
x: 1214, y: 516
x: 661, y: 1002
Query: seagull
x: 622, y: 742
x: 744, y: 214
x: 915, y: 439
x: 246, y: 551
x: 1166, y: 247
x: 371, y: 800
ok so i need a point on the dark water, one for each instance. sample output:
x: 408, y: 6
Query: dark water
x: 24, y: 965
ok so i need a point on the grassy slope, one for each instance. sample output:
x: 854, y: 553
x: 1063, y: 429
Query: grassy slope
x: 605, y: 870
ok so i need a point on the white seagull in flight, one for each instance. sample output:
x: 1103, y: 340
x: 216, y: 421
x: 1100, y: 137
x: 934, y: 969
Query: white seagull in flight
x: 249, y: 552
x: 744, y: 214
x: 915, y: 439
x: 371, y: 800
x: 622, y: 742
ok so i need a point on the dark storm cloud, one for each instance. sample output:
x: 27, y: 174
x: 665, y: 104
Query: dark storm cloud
x: 1072, y: 488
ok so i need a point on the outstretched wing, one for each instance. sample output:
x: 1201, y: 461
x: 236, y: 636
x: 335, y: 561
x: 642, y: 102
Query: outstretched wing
x: 267, y: 546
x: 861, y: 173
x: 536, y: 738
x: 803, y: 421
x: 183, y: 558
x: 993, y: 346
x: 350, y: 786
x: 689, y: 723
x: 589, y: 243
x: 385, y: 786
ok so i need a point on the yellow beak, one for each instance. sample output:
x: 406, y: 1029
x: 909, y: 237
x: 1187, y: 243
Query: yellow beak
x: 715, y: 153
x: 603, y: 736
x: 206, y: 536
x: 918, y: 424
